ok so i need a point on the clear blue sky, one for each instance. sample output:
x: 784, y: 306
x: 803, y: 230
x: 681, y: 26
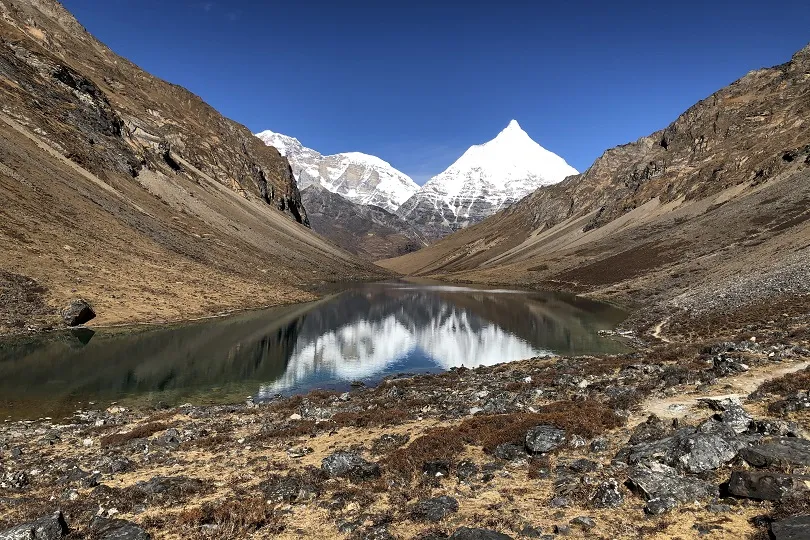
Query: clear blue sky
x: 416, y: 82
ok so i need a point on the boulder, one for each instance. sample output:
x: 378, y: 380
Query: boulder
x: 651, y: 430
x: 766, y: 486
x: 434, y: 509
x: 509, y: 452
x: 51, y: 527
x: 695, y: 450
x: 779, y: 452
x: 793, y: 528
x: 349, y: 465
x: 466, y: 533
x: 541, y: 439
x: 607, y: 495
x: 117, y: 529
x: 664, y: 488
x: 78, y: 312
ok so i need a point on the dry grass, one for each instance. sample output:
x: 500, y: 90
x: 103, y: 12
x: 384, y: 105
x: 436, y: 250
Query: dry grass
x: 233, y: 518
x: 138, y: 432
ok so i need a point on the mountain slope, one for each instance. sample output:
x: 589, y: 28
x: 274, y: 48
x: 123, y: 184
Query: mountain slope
x: 484, y: 180
x: 709, y: 213
x: 361, y: 178
x: 133, y: 193
x: 367, y: 231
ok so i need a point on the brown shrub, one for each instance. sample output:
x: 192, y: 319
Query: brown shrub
x: 234, y: 518
x: 138, y: 432
x: 373, y: 418
x: 787, y: 385
x: 206, y: 443
x: 437, y: 444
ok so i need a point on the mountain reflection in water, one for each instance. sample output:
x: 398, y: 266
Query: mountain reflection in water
x: 365, y: 333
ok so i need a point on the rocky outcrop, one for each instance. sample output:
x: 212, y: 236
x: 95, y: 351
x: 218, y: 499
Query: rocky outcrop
x: 368, y: 231
x: 45, y: 528
x: 78, y: 312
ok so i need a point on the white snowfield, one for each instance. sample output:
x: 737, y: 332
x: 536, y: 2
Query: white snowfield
x: 359, y: 177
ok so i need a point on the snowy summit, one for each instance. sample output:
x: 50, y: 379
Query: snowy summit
x: 361, y: 178
x: 485, y: 179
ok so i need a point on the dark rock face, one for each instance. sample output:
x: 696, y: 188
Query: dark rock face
x: 794, y: 528
x: 349, y: 465
x: 664, y: 488
x: 434, y: 509
x: 78, y: 312
x: 766, y: 486
x: 368, y: 231
x: 543, y: 439
x: 653, y: 429
x: 466, y: 533
x: 780, y: 452
x: 117, y: 529
x: 45, y: 528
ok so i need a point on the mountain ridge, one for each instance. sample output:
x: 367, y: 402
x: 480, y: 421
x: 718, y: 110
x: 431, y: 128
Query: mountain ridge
x: 485, y: 179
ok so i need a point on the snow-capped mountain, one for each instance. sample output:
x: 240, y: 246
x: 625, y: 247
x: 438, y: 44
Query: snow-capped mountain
x: 359, y: 177
x: 484, y: 180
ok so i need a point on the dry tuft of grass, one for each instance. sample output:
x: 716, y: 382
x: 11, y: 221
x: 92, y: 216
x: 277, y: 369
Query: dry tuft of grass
x: 138, y: 432
x: 234, y: 518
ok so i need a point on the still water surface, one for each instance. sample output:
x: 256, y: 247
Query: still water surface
x: 365, y: 333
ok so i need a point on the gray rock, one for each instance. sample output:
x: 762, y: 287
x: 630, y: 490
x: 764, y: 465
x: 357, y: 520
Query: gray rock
x: 766, y: 486
x: 607, y: 495
x: 170, y: 486
x: 652, y: 429
x: 434, y: 509
x: 731, y: 414
x: 436, y: 468
x: 793, y: 528
x: 695, y: 450
x: 542, y: 439
x: 584, y: 465
x: 45, y: 528
x: 349, y: 465
x: 466, y: 533
x: 583, y: 522
x: 779, y: 452
x: 664, y: 488
x: 562, y: 530
x: 78, y: 312
x: 599, y: 444
x: 117, y: 529
x: 529, y: 531
x: 510, y: 452
x: 466, y: 470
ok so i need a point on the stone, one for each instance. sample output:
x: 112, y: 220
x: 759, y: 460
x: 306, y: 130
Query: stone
x: 466, y: 470
x: 766, y: 486
x: 467, y: 533
x: 584, y: 465
x: 509, y: 452
x: 664, y: 488
x: 78, y: 312
x: 583, y: 522
x: 51, y: 527
x: 541, y: 439
x: 652, y: 429
x: 436, y: 468
x: 778, y: 452
x: 793, y: 528
x: 599, y: 444
x: 562, y: 530
x: 349, y: 465
x: 291, y: 488
x: 117, y: 529
x: 434, y: 509
x: 695, y: 450
x: 169, y: 486
x: 607, y: 495
x: 529, y: 531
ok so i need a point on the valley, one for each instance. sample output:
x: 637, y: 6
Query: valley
x: 266, y: 341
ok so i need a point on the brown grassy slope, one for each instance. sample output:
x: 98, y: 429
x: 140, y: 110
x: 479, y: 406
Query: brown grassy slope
x: 133, y: 193
x: 719, y: 195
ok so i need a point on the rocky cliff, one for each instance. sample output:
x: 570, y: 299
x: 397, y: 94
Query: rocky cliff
x: 368, y: 231
x: 134, y: 193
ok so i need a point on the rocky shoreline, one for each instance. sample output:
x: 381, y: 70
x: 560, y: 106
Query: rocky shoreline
x: 675, y: 440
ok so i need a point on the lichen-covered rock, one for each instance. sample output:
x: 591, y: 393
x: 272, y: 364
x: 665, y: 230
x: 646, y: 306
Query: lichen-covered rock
x: 779, y: 452
x: 767, y: 486
x: 51, y: 527
x: 466, y: 533
x: 434, y: 509
x: 543, y: 439
x: 117, y: 529
x: 78, y: 312
x: 607, y: 495
x: 664, y: 488
x: 793, y: 528
x: 349, y: 465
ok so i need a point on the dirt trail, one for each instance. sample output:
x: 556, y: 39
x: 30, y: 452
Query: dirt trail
x: 686, y: 406
x: 658, y: 328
